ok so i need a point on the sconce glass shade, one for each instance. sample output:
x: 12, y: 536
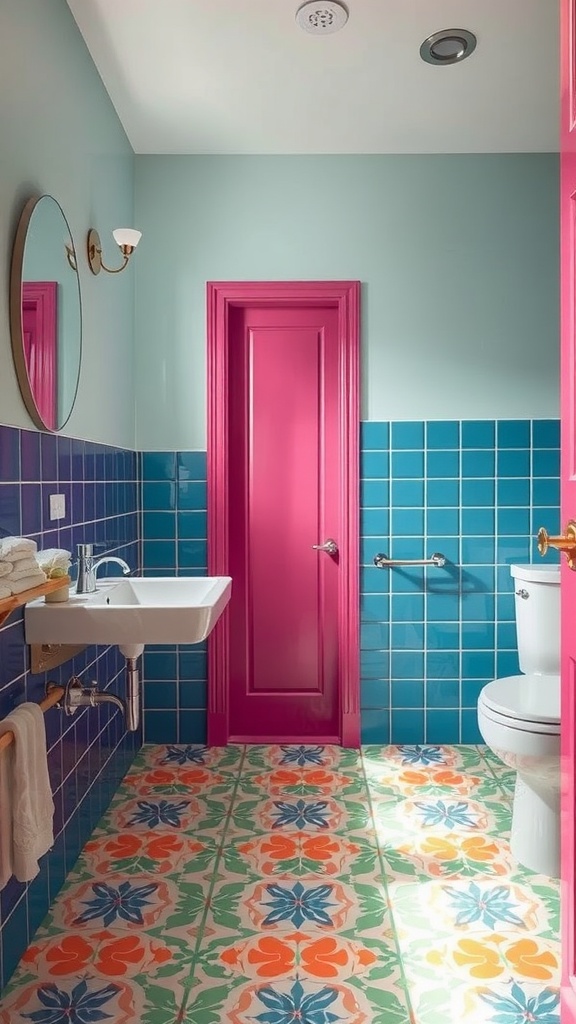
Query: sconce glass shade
x: 127, y: 236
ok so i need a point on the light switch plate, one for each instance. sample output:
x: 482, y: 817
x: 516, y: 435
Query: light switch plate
x: 57, y: 506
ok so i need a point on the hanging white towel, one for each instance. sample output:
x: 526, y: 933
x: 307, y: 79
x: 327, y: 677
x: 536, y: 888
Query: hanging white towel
x: 26, y: 804
x: 14, y: 548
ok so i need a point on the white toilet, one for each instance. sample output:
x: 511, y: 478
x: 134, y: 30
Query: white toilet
x: 519, y: 719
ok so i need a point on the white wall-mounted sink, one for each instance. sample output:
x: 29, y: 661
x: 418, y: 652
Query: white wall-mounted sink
x: 131, y: 612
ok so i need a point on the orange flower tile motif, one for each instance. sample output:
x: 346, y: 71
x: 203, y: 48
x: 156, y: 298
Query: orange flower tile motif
x: 130, y: 852
x: 497, y: 956
x: 302, y: 781
x: 454, y: 856
x: 191, y: 780
x: 298, y: 955
x: 109, y: 954
x: 300, y: 853
x: 411, y: 781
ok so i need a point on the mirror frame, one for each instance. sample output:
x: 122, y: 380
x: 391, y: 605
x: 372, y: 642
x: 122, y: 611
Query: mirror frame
x: 16, y: 328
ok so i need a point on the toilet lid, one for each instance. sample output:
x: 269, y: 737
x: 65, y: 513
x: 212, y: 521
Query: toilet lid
x: 530, y: 699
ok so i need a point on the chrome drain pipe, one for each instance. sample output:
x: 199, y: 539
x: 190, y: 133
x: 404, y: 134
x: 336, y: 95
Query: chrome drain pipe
x: 132, y: 703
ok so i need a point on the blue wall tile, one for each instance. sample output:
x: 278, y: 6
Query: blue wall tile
x: 86, y: 756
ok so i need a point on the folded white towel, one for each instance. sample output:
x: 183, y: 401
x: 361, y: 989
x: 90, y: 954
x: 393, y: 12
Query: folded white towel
x: 26, y: 804
x: 19, y: 586
x: 5, y: 568
x: 54, y: 558
x: 13, y: 548
x: 25, y: 567
x: 5, y: 591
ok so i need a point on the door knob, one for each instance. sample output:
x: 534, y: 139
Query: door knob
x: 565, y: 543
x: 329, y: 545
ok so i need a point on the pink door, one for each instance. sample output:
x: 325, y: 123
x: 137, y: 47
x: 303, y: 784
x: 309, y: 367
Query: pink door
x: 568, y: 500
x: 283, y: 507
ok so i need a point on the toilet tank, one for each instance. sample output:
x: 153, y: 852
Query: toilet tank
x: 537, y: 604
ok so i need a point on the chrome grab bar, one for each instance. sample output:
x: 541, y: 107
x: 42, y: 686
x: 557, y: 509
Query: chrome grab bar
x: 383, y: 562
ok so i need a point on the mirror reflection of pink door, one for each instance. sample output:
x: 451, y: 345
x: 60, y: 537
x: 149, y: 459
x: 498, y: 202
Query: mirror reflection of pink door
x: 39, y: 331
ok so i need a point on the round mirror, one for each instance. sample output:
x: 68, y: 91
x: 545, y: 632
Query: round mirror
x: 45, y: 313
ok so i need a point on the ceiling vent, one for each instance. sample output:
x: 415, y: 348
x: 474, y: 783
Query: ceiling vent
x: 322, y: 17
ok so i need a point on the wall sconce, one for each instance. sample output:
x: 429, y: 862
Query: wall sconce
x: 126, y: 238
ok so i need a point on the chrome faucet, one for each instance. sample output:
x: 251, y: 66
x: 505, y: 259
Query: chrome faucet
x: 88, y: 568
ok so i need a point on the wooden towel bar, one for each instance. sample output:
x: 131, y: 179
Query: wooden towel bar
x: 55, y: 694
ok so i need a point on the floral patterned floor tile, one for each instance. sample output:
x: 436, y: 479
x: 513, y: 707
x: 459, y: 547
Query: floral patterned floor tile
x: 436, y: 780
x: 88, y: 996
x: 193, y: 780
x: 474, y: 907
x: 449, y: 856
x: 511, y: 1003
x: 140, y: 962
x: 300, y: 855
x: 244, y: 886
x: 305, y: 955
x: 156, y: 852
x: 438, y: 816
x: 300, y: 781
x: 288, y: 1000
x: 315, y: 815
x: 285, y: 904
x: 301, y: 756
x: 176, y: 756
x: 137, y: 904
x: 421, y: 756
x: 179, y: 814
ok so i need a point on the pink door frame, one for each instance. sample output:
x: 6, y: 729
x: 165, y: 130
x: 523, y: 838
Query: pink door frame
x: 568, y: 504
x: 345, y: 296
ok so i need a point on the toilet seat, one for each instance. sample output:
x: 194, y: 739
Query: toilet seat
x: 531, y: 703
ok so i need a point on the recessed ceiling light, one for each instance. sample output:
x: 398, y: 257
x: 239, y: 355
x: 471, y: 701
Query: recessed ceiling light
x: 322, y: 17
x: 449, y: 46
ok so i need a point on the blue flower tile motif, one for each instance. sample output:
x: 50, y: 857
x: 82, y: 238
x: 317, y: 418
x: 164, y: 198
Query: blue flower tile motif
x: 296, y: 1006
x: 81, y: 1006
x: 490, y: 906
x: 301, y: 814
x: 449, y: 815
x: 299, y: 904
x: 518, y: 1008
x: 302, y: 755
x: 162, y: 813
x: 124, y: 903
x: 184, y: 755
x: 418, y: 754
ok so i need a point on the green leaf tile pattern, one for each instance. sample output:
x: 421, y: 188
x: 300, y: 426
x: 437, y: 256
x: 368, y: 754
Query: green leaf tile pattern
x: 299, y: 883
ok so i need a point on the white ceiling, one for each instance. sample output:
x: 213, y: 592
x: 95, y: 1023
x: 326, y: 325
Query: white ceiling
x: 239, y: 76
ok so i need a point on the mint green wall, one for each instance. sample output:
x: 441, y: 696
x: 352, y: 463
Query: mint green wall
x: 59, y: 134
x: 457, y: 255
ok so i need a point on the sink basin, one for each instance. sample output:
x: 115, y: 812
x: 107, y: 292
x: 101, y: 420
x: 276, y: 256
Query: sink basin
x: 131, y: 611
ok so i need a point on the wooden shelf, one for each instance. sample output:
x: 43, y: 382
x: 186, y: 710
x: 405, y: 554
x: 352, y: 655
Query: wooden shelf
x: 9, y: 604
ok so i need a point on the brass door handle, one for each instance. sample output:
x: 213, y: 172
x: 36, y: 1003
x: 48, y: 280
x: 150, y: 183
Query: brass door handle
x: 565, y: 543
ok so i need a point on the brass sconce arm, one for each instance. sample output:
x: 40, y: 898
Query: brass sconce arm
x: 127, y: 240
